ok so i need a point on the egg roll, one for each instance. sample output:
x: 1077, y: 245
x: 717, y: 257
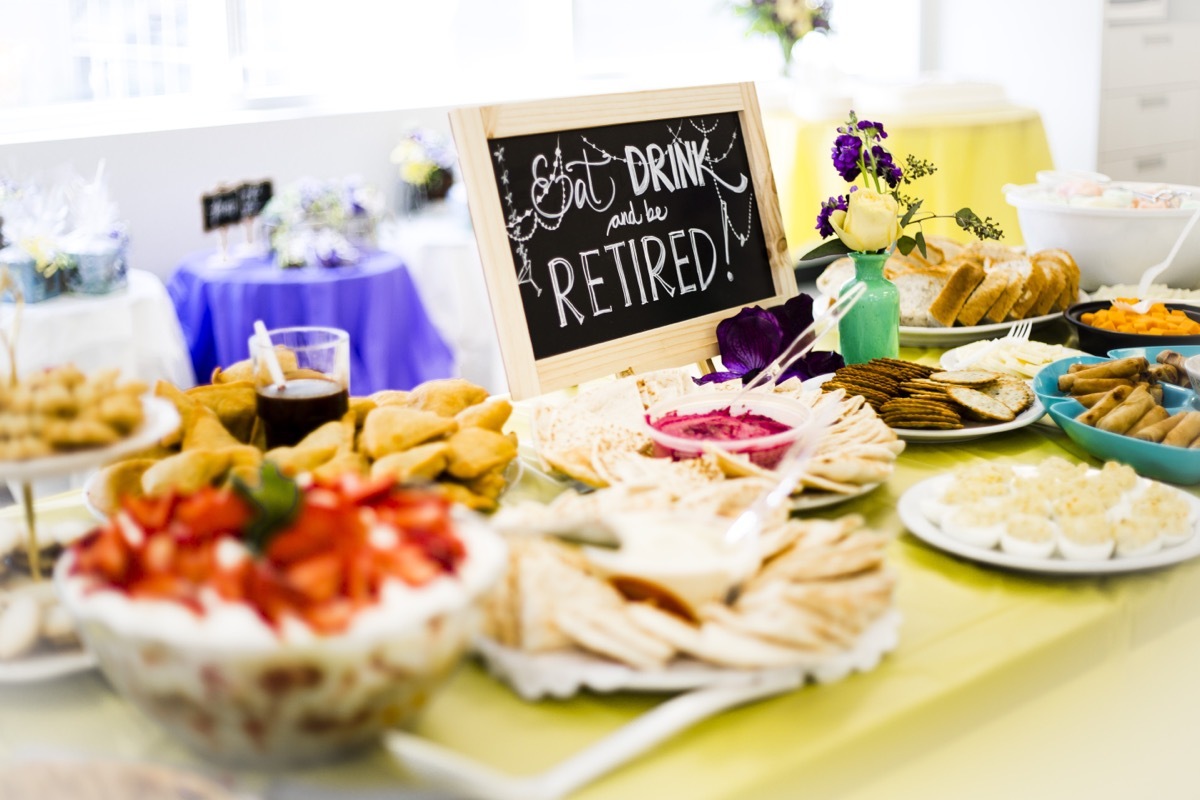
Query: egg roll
x: 1089, y: 400
x: 1185, y: 432
x: 1155, y: 415
x: 1127, y: 413
x: 1159, y: 430
x: 1166, y: 373
x: 1090, y: 385
x: 1104, y: 405
x: 1118, y: 368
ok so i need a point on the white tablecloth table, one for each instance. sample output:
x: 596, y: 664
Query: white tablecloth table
x: 133, y: 329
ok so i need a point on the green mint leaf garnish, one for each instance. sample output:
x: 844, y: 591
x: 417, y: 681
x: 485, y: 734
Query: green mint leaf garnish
x: 275, y: 502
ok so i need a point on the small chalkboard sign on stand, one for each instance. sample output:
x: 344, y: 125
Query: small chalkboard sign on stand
x: 252, y: 198
x: 222, y: 208
x: 616, y: 231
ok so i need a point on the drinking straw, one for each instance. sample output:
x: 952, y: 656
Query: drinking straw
x: 264, y: 339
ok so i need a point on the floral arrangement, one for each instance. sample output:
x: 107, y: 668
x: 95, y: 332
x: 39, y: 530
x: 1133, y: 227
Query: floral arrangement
x: 318, y: 222
x: 426, y: 160
x: 754, y: 337
x: 869, y: 218
x: 788, y: 21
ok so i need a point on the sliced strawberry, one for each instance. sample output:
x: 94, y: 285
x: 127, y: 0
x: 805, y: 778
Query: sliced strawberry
x: 151, y: 513
x: 158, y: 555
x: 317, y: 578
x: 330, y: 617
x: 210, y: 511
x: 195, y: 562
x: 108, y: 555
x: 315, y: 530
x: 366, y: 491
x: 163, y: 587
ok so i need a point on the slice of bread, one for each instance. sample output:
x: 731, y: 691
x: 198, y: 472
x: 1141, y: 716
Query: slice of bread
x: 1018, y: 272
x: 994, y: 283
x: 919, y: 286
x: 1066, y: 263
x: 1056, y: 281
x: 1029, y: 293
x: 954, y: 294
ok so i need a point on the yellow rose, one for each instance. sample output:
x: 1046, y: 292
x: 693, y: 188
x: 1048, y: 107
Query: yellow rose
x: 869, y: 223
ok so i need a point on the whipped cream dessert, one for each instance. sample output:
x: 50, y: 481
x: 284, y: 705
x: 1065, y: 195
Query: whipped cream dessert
x: 283, y: 642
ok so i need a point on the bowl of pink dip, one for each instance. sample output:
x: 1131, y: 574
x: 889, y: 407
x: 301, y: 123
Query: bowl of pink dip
x: 759, y: 426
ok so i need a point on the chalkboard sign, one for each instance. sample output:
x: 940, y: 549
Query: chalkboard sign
x: 616, y: 231
x: 221, y: 208
x: 252, y: 197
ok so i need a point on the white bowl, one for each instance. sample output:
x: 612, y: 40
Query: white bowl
x: 239, y: 694
x: 1111, y: 245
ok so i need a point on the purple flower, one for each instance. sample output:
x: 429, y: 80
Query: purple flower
x: 846, y: 150
x: 827, y: 208
x: 885, y: 167
x: 754, y: 337
x: 748, y: 341
x: 864, y: 125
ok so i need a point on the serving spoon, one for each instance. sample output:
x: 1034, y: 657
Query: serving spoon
x: 1153, y: 271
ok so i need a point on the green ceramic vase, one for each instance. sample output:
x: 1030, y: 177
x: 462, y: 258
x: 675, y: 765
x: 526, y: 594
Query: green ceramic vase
x: 872, y: 328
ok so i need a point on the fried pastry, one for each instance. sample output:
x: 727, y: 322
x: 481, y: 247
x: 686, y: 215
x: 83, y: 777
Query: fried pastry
x: 390, y: 429
x: 185, y: 472
x: 474, y: 451
x: 447, y: 397
x: 422, y: 463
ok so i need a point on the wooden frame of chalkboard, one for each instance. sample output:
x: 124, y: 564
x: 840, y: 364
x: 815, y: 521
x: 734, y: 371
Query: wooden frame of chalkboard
x: 616, y: 231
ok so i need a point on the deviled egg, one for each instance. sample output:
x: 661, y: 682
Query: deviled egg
x: 1028, y: 536
x: 1138, y: 537
x: 979, y: 525
x: 1086, y: 538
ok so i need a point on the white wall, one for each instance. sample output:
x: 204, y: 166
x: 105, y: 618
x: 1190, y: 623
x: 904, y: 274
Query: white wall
x: 1046, y: 54
x: 157, y: 177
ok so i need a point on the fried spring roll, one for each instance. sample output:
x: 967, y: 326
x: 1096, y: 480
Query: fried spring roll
x: 1104, y: 405
x: 1163, y: 373
x: 1089, y: 400
x: 1156, y: 391
x: 1153, y: 416
x: 1159, y: 430
x: 1174, y: 359
x: 1120, y: 368
x: 1127, y: 414
x: 1185, y: 432
x: 1090, y: 385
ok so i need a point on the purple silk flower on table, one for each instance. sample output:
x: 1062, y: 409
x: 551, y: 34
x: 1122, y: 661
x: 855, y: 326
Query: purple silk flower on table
x: 754, y: 337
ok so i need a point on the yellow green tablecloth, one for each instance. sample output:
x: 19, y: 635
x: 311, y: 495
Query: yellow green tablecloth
x: 1003, y: 685
x: 976, y: 153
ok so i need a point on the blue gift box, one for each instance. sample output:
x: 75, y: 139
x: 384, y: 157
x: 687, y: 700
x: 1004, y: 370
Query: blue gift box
x: 35, y: 287
x: 97, y: 273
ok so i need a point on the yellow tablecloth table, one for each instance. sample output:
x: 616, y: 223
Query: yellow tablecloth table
x: 976, y: 153
x: 1003, y: 685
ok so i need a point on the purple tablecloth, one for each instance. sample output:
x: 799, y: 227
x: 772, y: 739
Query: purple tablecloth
x: 393, y: 345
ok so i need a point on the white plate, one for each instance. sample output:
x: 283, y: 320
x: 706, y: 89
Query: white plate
x: 45, y: 667
x: 564, y: 673
x: 920, y: 525
x: 911, y: 336
x: 160, y: 419
x: 973, y: 430
x: 812, y: 498
x: 951, y: 359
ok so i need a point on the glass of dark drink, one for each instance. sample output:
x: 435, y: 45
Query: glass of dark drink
x: 316, y: 387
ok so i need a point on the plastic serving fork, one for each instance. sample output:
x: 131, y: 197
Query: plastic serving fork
x: 1017, y: 333
x: 449, y: 770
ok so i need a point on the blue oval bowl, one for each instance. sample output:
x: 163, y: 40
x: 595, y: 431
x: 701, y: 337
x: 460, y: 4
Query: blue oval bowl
x: 1152, y: 460
x: 1045, y: 383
